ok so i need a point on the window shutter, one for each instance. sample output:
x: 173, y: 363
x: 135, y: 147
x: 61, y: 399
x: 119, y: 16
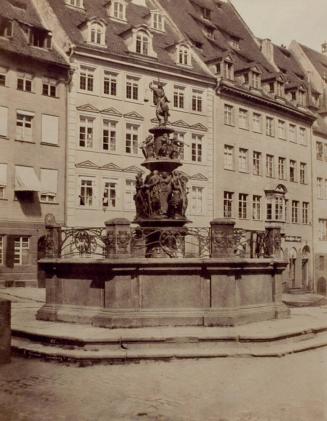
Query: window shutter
x: 10, y: 251
x: 3, y: 121
x: 50, y: 129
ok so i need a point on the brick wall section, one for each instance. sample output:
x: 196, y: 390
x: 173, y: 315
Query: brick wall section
x: 5, y: 331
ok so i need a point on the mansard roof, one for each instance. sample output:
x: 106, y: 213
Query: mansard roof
x: 136, y: 17
x: 22, y: 12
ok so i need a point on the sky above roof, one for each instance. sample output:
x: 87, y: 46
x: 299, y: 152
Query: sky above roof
x: 285, y: 20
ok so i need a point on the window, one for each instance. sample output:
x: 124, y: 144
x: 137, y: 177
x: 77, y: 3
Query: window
x: 142, y: 43
x: 86, y: 132
x: 49, y: 88
x: 197, y: 200
x: 279, y: 208
x: 242, y: 205
x: 197, y: 101
x: 243, y: 164
x: 2, y: 249
x: 179, y: 93
x: 228, y: 115
x: 256, y: 162
x: 302, y: 136
x: 3, y: 121
x: 157, y: 21
x: 2, y: 79
x: 97, y: 33
x: 269, y: 215
x: 319, y: 151
x: 255, y: 80
x: 196, y: 148
x: 269, y: 166
x: 228, y: 157
x: 321, y: 263
x: 243, y: 119
x: 86, y: 81
x: 183, y: 55
x: 295, y: 211
x: 75, y: 3
x: 320, y: 188
x: 132, y: 136
x: 49, y: 185
x: 256, y: 208
x: 292, y: 133
x: 86, y: 197
x: 6, y: 28
x: 181, y: 138
x: 50, y: 129
x: 228, y: 204
x: 109, y: 135
x: 227, y: 70
x: 256, y: 123
x: 281, y: 129
x: 305, y: 212
x: 286, y: 210
x: 109, y: 198
x: 119, y: 10
x: 21, y: 249
x: 206, y: 13
x: 129, y: 194
x: 270, y: 126
x: 24, y: 82
x: 132, y: 88
x: 292, y: 170
x: 323, y: 229
x: 39, y: 38
x: 279, y: 89
x: 301, y: 97
x: 303, y: 173
x: 110, y: 83
x: 3, y: 180
x: 24, y: 126
x: 281, y: 168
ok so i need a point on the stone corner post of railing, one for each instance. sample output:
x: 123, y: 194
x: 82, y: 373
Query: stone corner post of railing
x: 222, y: 237
x: 273, y: 241
x: 118, y: 242
x: 5, y: 331
x: 53, y: 240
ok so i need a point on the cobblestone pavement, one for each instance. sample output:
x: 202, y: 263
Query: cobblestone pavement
x: 292, y: 388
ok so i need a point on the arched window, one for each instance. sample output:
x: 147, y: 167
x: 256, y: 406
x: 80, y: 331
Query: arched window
x: 142, y: 43
x: 97, y: 33
x: 183, y: 55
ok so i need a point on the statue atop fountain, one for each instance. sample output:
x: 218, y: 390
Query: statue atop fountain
x: 161, y: 197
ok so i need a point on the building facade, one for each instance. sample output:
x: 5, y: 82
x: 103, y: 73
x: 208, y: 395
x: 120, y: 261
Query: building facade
x: 117, y: 51
x: 32, y: 137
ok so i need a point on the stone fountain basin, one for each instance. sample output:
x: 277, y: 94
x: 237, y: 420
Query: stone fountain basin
x: 140, y: 292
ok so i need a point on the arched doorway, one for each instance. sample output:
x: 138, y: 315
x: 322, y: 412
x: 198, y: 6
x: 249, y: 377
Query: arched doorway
x: 322, y: 286
x: 306, y: 267
x: 292, y: 267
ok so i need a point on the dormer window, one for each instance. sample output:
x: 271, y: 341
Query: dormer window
x: 6, y: 28
x: 206, y: 13
x: 76, y: 3
x: 301, y: 97
x: 183, y: 55
x: 157, y: 22
x: 118, y: 9
x: 252, y: 78
x: 97, y: 33
x: 39, y: 38
x: 235, y: 43
x: 142, y: 43
x: 227, y: 69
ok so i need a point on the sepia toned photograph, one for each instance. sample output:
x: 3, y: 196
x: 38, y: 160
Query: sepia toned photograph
x: 163, y: 210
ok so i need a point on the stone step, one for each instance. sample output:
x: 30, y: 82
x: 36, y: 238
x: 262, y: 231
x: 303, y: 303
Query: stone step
x: 304, y: 300
x: 117, y: 352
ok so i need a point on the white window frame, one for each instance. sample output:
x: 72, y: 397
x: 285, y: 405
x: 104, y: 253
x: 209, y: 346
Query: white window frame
x: 229, y: 157
x: 109, y: 126
x: 110, y: 80
x: 86, y: 79
x: 90, y: 183
x: 243, y: 160
x: 243, y: 206
x: 197, y: 148
x: 256, y: 163
x: 24, y: 119
x: 109, y: 193
x: 270, y: 166
x: 229, y: 117
x: 282, y: 129
x: 292, y: 135
x: 256, y: 208
x: 197, y: 203
x: 27, y: 82
x: 197, y: 100
x: 281, y: 168
x: 97, y: 32
x: 4, y: 112
x: 257, y: 122
x: 21, y: 248
x: 132, y: 137
x: 142, y: 43
x: 132, y: 88
x: 49, y: 88
x: 243, y: 118
x: 157, y: 21
x: 179, y: 97
x: 228, y: 204
x: 130, y: 189
x: 86, y: 122
x: 183, y: 55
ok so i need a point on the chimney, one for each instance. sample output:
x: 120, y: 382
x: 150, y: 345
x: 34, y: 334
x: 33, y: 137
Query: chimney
x: 324, y: 48
x: 267, y: 50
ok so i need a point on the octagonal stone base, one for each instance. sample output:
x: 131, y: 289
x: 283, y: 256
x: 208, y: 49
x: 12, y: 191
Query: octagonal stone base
x: 163, y: 292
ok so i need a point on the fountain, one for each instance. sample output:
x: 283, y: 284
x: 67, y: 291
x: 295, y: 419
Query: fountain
x: 143, y: 277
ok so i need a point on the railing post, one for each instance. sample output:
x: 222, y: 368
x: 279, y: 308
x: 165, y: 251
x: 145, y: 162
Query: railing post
x: 118, y: 238
x: 273, y: 241
x: 222, y: 237
x: 53, y: 240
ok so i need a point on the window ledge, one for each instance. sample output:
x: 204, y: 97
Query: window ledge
x: 4, y: 137
x: 28, y: 92
x: 25, y: 141
x: 49, y: 144
x: 49, y: 203
x: 49, y: 96
x: 4, y: 199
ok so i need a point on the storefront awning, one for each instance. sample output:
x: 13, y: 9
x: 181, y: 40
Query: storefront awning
x: 26, y: 180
